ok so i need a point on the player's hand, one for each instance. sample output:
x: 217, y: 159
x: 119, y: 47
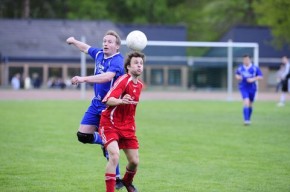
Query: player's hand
x: 70, y: 40
x: 76, y: 80
x: 251, y: 80
x: 239, y: 77
x: 127, y: 99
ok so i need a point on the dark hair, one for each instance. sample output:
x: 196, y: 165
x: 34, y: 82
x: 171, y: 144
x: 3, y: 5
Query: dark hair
x: 129, y: 57
x: 246, y: 55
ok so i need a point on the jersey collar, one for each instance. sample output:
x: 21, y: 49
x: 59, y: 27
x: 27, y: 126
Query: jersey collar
x: 111, y: 55
x: 248, y: 67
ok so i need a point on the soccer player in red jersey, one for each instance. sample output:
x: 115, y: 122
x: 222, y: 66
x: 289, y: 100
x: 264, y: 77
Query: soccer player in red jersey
x: 117, y: 126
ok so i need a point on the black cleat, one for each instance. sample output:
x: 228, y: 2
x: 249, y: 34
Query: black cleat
x: 105, y: 153
x: 131, y: 188
x: 119, y: 184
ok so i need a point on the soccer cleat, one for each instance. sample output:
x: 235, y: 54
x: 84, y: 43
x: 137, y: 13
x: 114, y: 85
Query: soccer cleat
x: 119, y: 184
x: 246, y: 123
x: 105, y: 153
x: 131, y: 188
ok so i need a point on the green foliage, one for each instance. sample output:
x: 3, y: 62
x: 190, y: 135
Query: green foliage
x: 184, y: 146
x: 206, y: 20
x: 87, y: 10
x: 275, y: 14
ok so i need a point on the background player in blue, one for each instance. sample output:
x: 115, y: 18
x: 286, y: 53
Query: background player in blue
x: 248, y: 74
x: 108, y: 67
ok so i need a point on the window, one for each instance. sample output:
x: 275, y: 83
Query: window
x: 174, y: 77
x: 55, y: 72
x: 157, y: 77
x: 71, y: 72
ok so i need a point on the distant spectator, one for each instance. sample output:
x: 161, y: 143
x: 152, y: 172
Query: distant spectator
x: 285, y: 75
x: 36, y: 81
x: 60, y: 84
x: 56, y: 83
x: 15, y: 82
x: 67, y: 82
x: 279, y: 77
x: 27, y: 83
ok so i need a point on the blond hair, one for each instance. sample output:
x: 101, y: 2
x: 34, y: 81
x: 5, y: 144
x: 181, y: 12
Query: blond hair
x: 115, y: 34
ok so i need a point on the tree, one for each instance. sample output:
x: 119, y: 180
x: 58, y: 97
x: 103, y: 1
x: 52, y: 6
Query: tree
x: 275, y: 14
x: 205, y: 20
x: 32, y: 9
x: 89, y: 9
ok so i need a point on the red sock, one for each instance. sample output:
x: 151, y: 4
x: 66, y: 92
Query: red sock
x: 110, y: 182
x: 128, y: 177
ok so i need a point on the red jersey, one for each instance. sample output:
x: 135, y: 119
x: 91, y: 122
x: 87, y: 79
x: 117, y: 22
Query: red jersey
x: 122, y: 116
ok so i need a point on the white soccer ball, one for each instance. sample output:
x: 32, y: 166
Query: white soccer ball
x: 136, y: 40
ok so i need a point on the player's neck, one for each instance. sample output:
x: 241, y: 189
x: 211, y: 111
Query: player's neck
x: 134, y: 78
x: 248, y: 66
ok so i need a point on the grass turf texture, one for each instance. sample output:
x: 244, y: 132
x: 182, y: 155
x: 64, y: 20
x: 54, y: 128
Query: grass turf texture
x: 185, y: 146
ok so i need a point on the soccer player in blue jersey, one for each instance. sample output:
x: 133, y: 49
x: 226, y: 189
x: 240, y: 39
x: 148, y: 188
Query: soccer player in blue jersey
x: 108, y: 67
x: 248, y: 74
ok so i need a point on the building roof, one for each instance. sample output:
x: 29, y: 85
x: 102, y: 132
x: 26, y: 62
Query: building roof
x: 41, y: 39
x: 260, y: 35
x: 253, y: 34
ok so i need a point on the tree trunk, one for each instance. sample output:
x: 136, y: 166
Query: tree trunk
x: 26, y: 9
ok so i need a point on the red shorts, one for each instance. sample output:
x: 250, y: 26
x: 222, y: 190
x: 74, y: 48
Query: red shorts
x: 125, y: 139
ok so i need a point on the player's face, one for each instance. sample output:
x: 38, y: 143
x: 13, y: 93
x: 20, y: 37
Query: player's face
x: 110, y: 46
x: 246, y: 61
x: 136, y: 66
x: 284, y: 60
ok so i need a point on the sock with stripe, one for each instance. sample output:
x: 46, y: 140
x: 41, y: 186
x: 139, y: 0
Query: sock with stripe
x: 128, y: 177
x: 110, y: 182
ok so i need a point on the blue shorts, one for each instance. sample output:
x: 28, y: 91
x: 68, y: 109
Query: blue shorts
x: 93, y: 114
x: 248, y: 94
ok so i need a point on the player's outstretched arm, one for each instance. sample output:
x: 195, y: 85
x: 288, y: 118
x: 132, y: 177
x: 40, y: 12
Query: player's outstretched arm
x: 101, y: 78
x: 83, y: 47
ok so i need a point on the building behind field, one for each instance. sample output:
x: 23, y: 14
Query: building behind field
x: 37, y: 49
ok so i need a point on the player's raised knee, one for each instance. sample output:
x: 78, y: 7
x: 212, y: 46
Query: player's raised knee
x: 85, y: 137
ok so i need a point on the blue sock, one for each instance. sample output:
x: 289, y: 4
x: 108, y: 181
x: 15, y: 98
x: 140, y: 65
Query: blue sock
x: 97, y: 139
x: 118, y: 171
x: 250, y: 112
x: 246, y: 112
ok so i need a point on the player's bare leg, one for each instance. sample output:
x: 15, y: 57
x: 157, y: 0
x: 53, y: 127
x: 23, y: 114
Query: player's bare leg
x: 110, y: 176
x: 89, y: 134
x: 133, y: 161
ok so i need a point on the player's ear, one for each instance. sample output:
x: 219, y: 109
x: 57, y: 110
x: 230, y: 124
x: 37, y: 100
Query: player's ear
x: 128, y: 66
x: 117, y: 46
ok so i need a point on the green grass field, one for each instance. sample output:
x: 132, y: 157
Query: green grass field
x: 185, y: 146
